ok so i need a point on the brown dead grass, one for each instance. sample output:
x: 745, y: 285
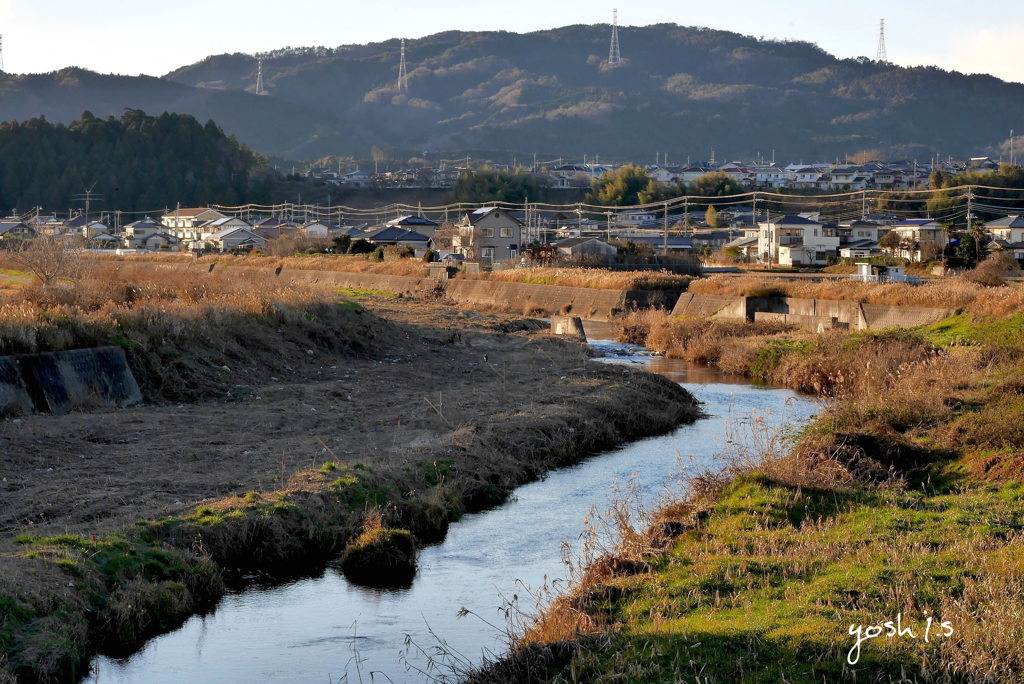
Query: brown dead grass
x: 181, y: 328
x: 589, y: 277
x: 947, y: 293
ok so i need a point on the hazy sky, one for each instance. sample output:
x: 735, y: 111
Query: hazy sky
x: 131, y: 37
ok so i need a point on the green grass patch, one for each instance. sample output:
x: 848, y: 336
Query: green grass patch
x: 359, y: 293
x: 767, y: 589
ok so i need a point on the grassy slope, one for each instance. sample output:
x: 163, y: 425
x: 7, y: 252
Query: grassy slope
x: 766, y: 588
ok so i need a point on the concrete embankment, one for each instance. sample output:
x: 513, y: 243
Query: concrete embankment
x: 811, y: 314
x: 59, y: 382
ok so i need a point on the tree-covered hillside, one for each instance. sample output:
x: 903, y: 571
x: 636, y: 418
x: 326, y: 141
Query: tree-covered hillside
x: 680, y: 90
x: 136, y: 162
x: 684, y: 91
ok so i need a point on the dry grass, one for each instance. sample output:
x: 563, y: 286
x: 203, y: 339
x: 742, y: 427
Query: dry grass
x: 181, y: 327
x: 590, y: 277
x: 699, y: 340
x: 347, y: 263
x: 948, y: 293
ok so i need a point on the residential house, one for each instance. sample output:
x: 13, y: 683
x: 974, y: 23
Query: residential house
x: 235, y: 238
x: 400, y: 237
x: 860, y: 249
x: 1007, y: 234
x: 583, y: 248
x: 746, y: 246
x: 160, y: 242
x: 273, y: 228
x: 208, y: 230
x: 793, y: 240
x: 712, y: 240
x: 665, y: 175
x: 183, y: 222
x: 136, y: 233
x: 12, y: 228
x: 918, y: 237
x: 416, y: 224
x: 637, y: 218
x: 863, y: 230
x: 658, y: 243
x: 489, y: 234
x: 316, y: 229
x: 771, y: 176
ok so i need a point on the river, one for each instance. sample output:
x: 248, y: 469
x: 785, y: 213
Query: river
x: 325, y: 629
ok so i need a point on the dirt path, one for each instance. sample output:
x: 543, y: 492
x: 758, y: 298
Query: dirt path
x: 88, y: 473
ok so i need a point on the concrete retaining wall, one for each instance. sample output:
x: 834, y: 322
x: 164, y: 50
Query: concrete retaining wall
x: 812, y: 323
x: 586, y: 302
x: 854, y: 314
x: 58, y: 382
x: 711, y: 306
x: 14, y: 396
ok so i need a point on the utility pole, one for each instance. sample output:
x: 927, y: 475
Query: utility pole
x: 1, y: 53
x: 664, y: 228
x: 1011, y: 130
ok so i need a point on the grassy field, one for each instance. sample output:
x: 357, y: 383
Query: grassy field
x: 896, y: 515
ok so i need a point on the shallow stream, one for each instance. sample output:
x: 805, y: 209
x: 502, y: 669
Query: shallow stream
x: 325, y: 629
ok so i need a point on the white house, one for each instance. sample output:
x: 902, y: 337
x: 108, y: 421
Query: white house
x: 792, y: 240
x: 1007, y: 234
x: 181, y: 222
x: 209, y: 229
x: 916, y: 235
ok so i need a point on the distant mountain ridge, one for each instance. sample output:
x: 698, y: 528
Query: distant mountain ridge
x: 685, y: 91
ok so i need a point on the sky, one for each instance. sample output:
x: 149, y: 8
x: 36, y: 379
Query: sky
x: 131, y: 37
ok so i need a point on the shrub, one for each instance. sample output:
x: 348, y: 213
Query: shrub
x: 380, y: 556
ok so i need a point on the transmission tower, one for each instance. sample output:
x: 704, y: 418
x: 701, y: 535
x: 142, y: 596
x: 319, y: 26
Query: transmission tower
x: 1, y: 53
x: 259, y: 76
x: 614, y: 58
x: 403, y: 75
x: 881, y: 56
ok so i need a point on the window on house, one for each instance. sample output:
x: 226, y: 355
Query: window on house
x: 488, y: 232
x: 487, y: 253
x: 506, y: 232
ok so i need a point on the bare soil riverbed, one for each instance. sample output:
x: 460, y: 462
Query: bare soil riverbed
x: 90, y: 472
x: 112, y: 521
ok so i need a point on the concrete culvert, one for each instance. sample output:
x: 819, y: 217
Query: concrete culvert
x: 380, y: 557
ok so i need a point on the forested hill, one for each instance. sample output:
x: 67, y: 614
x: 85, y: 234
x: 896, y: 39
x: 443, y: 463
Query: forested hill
x: 680, y: 90
x: 136, y: 163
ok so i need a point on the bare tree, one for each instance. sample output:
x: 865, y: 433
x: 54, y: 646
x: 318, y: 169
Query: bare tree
x: 50, y: 258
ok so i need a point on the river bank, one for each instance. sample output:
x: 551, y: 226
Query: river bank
x: 117, y: 525
x: 886, y: 544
